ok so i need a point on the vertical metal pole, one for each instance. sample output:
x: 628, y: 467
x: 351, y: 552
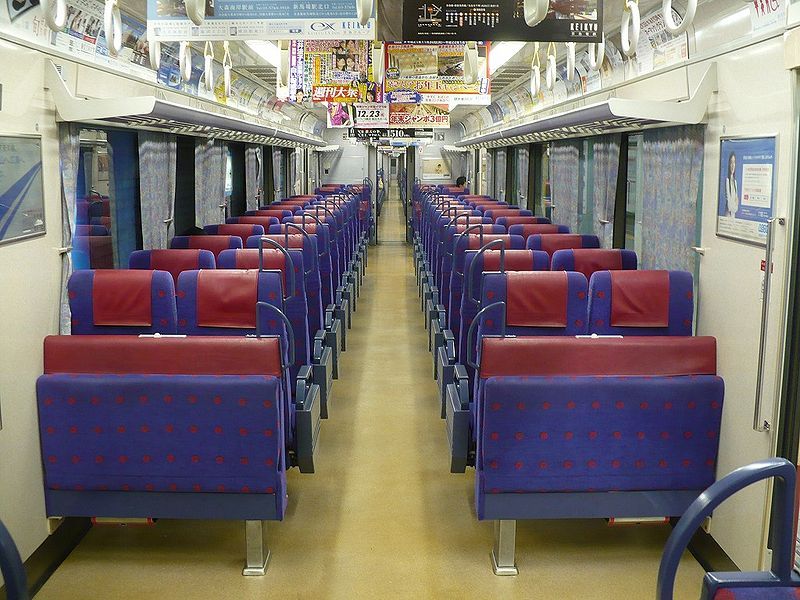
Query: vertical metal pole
x: 257, y: 548
x: 505, y: 534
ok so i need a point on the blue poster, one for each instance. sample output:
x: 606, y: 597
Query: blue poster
x: 21, y: 198
x: 746, y: 193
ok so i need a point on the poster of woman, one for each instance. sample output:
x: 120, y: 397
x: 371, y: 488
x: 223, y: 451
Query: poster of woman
x: 746, y: 192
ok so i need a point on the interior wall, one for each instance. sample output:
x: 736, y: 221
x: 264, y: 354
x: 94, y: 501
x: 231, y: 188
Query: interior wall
x: 433, y: 151
x: 30, y: 271
x: 349, y: 164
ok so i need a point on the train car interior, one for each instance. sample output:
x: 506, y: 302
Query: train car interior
x: 399, y: 299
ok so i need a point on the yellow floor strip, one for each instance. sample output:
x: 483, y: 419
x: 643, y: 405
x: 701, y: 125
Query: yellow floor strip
x: 382, y: 517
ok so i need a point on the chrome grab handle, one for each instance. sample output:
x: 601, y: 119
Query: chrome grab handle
x: 760, y: 424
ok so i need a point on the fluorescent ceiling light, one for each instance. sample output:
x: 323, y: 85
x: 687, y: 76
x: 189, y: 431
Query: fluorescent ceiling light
x: 266, y: 50
x: 500, y: 53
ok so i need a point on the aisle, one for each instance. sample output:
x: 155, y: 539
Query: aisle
x: 382, y: 517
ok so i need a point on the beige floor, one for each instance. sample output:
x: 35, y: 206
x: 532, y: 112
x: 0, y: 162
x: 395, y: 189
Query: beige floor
x: 382, y: 517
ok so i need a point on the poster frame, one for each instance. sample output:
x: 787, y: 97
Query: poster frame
x: 31, y: 137
x: 774, y: 136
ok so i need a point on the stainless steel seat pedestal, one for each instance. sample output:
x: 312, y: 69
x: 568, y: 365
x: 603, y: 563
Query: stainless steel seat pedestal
x: 505, y: 534
x: 257, y: 549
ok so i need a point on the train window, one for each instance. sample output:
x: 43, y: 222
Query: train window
x: 544, y: 198
x: 235, y: 195
x: 185, y: 219
x: 108, y: 213
x: 633, y: 196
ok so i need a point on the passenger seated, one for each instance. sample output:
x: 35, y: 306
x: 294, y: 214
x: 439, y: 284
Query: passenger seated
x: 648, y: 303
x: 122, y: 302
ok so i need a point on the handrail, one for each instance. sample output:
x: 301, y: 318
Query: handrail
x: 11, y: 567
x: 289, y: 263
x: 471, y: 272
x: 458, y: 236
x: 472, y: 328
x: 781, y: 526
x: 304, y: 233
x: 287, y: 323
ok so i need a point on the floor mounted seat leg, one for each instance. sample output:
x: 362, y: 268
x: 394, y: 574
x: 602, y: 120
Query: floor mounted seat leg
x: 257, y: 548
x: 505, y: 534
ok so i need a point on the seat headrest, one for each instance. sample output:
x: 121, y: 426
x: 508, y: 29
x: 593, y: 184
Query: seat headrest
x: 591, y: 260
x: 122, y: 298
x: 529, y: 229
x: 227, y: 298
x: 86, y: 230
x: 192, y: 355
x: 476, y: 241
x: 274, y: 260
x: 276, y: 212
x: 517, y: 220
x: 177, y: 260
x: 513, y: 260
x: 461, y: 227
x: 264, y: 221
x: 295, y: 240
x: 551, y: 242
x: 242, y: 231
x: 584, y: 356
x: 536, y: 299
x: 640, y: 298
x: 212, y: 243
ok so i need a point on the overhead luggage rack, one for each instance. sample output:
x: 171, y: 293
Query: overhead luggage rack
x: 151, y: 112
x: 610, y: 116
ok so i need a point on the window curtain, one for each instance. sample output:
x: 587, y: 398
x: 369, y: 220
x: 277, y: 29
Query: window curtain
x: 565, y: 181
x: 605, y: 166
x: 277, y: 173
x: 123, y: 150
x: 158, y: 154
x: 520, y: 195
x: 490, y: 190
x: 253, y: 159
x: 293, y: 183
x: 500, y: 175
x: 210, y: 163
x: 69, y: 146
x: 672, y: 173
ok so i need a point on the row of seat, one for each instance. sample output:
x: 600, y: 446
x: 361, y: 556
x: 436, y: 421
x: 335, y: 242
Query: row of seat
x: 570, y: 380
x: 195, y: 378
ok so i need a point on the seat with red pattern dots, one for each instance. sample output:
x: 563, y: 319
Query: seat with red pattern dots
x: 173, y: 260
x: 122, y: 302
x: 170, y: 427
x: 641, y: 303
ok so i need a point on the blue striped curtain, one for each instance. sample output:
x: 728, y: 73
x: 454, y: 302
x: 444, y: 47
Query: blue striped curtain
x: 565, y: 181
x: 253, y: 161
x: 605, y: 167
x: 69, y: 145
x: 157, y: 171
x: 210, y: 163
x: 672, y: 176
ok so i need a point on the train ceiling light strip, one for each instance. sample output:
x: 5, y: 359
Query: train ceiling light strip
x: 152, y: 112
x: 613, y: 115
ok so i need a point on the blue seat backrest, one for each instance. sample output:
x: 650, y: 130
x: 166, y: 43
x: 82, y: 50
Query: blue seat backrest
x: 641, y: 303
x: 485, y: 262
x: 599, y: 415
x: 552, y: 242
x: 537, y: 303
x: 122, y: 302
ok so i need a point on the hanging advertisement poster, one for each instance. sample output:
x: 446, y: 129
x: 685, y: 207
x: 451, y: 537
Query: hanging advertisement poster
x: 419, y: 115
x: 21, y: 195
x: 341, y: 115
x: 434, y: 74
x: 435, y: 168
x: 330, y: 71
x: 768, y: 14
x: 657, y: 47
x: 746, y: 194
x: 371, y: 114
x: 496, y: 20
x: 259, y: 20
